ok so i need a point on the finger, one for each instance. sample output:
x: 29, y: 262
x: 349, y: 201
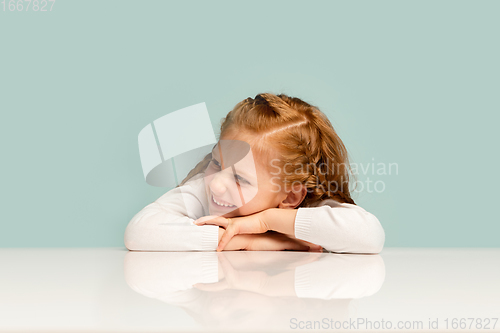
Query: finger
x: 212, y: 220
x: 227, y: 268
x: 204, y: 219
x: 224, y: 262
x: 296, y: 246
x: 308, y: 258
x: 315, y: 248
x: 226, y: 237
x: 312, y: 247
x: 229, y: 233
x: 201, y: 220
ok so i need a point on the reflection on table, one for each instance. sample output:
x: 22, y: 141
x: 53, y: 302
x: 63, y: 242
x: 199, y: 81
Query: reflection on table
x: 245, y: 289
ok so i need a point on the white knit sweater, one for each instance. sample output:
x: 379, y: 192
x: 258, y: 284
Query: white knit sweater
x: 167, y: 224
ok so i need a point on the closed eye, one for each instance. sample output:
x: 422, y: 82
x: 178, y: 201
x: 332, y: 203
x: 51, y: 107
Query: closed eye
x: 215, y: 162
x: 238, y: 178
x: 241, y: 179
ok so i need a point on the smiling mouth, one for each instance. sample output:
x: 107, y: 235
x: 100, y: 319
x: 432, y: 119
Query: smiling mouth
x: 222, y: 203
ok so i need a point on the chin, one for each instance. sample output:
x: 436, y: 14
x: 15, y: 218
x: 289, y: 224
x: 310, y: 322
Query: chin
x: 233, y: 213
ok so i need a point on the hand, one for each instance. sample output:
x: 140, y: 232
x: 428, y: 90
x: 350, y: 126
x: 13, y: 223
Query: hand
x: 251, y: 224
x: 255, y: 260
x: 236, y: 279
x: 275, y: 241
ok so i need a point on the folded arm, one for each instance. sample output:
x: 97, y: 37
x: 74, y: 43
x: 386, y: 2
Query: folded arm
x: 343, y: 228
x: 166, y: 225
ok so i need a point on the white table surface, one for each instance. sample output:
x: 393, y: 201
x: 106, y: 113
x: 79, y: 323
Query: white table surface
x: 113, y: 290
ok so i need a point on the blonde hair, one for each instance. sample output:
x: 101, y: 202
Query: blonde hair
x: 299, y: 135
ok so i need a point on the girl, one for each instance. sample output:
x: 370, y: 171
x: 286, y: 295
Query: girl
x: 300, y: 181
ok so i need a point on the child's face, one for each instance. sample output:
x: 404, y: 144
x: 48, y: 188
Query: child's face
x: 244, y: 185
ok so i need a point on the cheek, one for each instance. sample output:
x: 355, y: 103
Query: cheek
x: 208, y: 179
x: 262, y: 198
x: 249, y: 192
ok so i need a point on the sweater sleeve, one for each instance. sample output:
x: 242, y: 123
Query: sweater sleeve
x: 167, y: 223
x: 151, y: 273
x: 340, y: 276
x: 340, y: 227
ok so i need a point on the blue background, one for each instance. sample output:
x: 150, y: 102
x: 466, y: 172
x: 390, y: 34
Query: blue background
x: 409, y: 82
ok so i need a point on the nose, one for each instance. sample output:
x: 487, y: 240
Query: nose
x: 220, y: 182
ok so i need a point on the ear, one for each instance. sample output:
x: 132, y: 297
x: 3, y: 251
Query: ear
x: 294, y: 197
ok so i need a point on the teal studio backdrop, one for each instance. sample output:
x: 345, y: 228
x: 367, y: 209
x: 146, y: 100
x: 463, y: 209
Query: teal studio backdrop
x: 409, y: 82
